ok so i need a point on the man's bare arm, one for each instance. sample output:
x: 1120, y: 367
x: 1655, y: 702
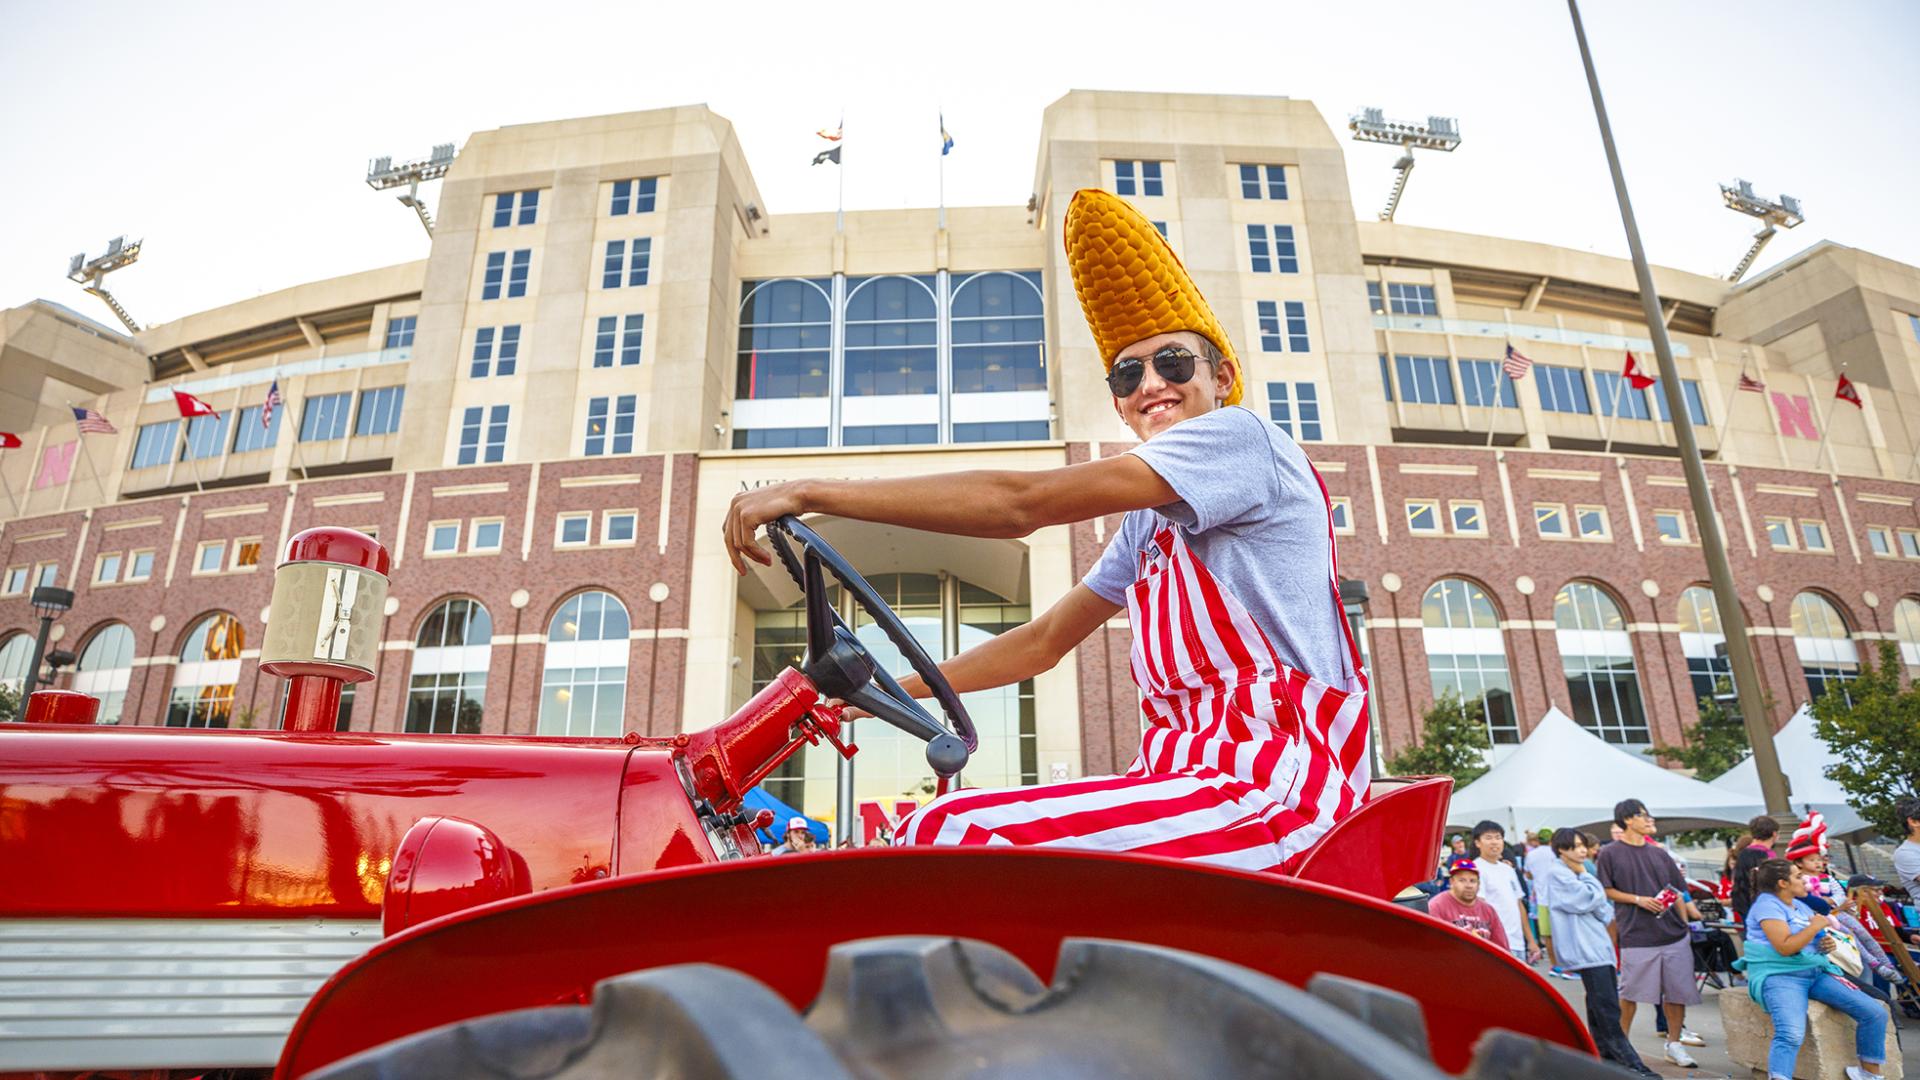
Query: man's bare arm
x: 999, y: 504
x: 1026, y: 650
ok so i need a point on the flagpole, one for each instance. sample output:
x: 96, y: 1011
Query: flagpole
x: 840, y: 209
x: 1493, y: 408
x: 81, y: 438
x: 1821, y: 450
x: 943, y: 169
x: 1726, y: 422
x: 185, y: 423
x: 1613, y: 415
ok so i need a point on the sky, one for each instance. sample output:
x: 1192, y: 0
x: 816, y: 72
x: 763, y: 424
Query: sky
x: 234, y: 138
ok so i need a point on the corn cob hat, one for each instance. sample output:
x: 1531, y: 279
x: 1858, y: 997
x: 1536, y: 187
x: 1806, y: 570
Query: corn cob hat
x: 1130, y: 283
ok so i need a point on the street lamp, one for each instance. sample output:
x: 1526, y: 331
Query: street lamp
x: 1438, y: 133
x: 49, y: 601
x: 382, y: 174
x: 1353, y: 601
x: 1783, y: 212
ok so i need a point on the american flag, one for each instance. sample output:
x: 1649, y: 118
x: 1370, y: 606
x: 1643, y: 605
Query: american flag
x: 272, y: 403
x: 92, y: 423
x: 1516, y: 365
x: 1748, y: 382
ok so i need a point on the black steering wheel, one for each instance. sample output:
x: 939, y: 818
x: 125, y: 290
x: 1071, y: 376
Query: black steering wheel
x: 840, y: 667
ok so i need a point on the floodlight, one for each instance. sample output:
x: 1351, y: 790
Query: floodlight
x: 1782, y: 213
x: 382, y: 174
x: 1438, y: 133
x: 91, y: 274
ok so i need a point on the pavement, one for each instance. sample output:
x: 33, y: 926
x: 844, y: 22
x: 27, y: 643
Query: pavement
x: 1704, y: 1019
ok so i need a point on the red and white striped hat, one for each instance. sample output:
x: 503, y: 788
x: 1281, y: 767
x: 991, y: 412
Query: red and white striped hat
x: 1810, y: 838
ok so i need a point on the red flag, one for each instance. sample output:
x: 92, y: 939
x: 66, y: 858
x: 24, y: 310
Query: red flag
x: 1848, y: 393
x: 9, y: 441
x: 192, y: 406
x: 1748, y: 382
x: 1636, y: 378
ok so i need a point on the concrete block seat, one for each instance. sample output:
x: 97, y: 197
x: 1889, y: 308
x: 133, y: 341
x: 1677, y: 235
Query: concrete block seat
x: 1825, y: 1054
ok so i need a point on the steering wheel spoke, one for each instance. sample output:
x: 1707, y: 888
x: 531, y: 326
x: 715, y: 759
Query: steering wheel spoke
x: 821, y: 618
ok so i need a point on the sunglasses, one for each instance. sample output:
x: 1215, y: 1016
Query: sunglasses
x: 1174, y: 364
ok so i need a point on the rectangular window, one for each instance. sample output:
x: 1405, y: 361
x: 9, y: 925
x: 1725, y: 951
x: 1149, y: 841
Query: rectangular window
x: 46, y: 575
x: 1272, y: 332
x: 613, y: 267
x: 495, y: 276
x: 210, y: 557
x: 630, y: 336
x: 1424, y: 380
x: 1295, y: 409
x: 1813, y: 535
x: 1423, y: 516
x: 400, y: 331
x: 1341, y: 509
x: 1880, y: 541
x: 1484, y: 383
x: 1272, y: 248
x: 1386, y: 377
x: 1468, y: 517
x: 154, y: 444
x: 16, y: 581
x: 1137, y: 178
x: 1562, y: 389
x: 1263, y: 182
x: 1409, y: 299
x: 517, y: 273
x: 325, y: 417
x: 1690, y: 390
x: 1631, y: 403
x: 1671, y: 525
x: 443, y: 537
x: 605, y: 334
x: 512, y: 275
x: 617, y: 526
x: 1910, y: 543
x: 246, y: 553
x: 504, y: 213
x: 1780, y: 533
x: 483, y: 435
x: 639, y: 260
x: 572, y: 530
x: 380, y: 410
x: 1914, y: 321
x: 106, y: 568
x: 1550, y: 519
x: 610, y: 425
x: 1374, y: 303
x: 250, y: 434
x: 496, y: 351
x: 1591, y: 522
x: 1297, y: 326
x: 634, y: 196
x: 206, y: 437
x: 484, y: 534
x: 1001, y: 431
x: 140, y: 566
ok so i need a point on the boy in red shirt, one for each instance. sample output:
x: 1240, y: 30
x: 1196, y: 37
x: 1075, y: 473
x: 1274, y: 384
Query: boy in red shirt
x: 1461, y: 905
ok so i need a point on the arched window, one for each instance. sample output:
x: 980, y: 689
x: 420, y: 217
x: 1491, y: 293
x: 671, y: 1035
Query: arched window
x: 448, y: 688
x: 1826, y: 650
x: 15, y: 654
x: 1598, y: 657
x: 1467, y: 652
x: 999, y: 334
x: 209, y: 668
x: 584, y: 688
x: 103, y: 669
x: 1906, y: 630
x: 1700, y: 641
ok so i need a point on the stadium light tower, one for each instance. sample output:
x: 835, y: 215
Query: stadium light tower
x: 1438, y: 133
x: 382, y: 174
x: 1782, y: 213
x: 91, y: 274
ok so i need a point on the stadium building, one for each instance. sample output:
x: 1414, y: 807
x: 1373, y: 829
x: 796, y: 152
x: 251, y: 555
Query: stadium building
x: 613, y: 333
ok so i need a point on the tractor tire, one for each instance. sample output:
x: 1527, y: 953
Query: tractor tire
x: 926, y: 1007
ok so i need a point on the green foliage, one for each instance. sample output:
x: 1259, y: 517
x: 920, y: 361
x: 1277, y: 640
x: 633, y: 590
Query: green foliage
x: 1874, y: 729
x: 1715, y: 744
x: 1453, y: 742
x: 9, y: 703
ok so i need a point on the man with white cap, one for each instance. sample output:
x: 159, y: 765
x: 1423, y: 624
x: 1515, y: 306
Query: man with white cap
x: 1250, y: 682
x: 799, y: 837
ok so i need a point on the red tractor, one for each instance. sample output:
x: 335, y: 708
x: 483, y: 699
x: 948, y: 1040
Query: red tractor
x: 177, y: 903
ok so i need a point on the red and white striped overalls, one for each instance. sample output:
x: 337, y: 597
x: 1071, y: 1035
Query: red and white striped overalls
x: 1245, y: 761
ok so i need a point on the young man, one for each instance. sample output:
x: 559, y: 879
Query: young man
x: 1864, y: 891
x: 1656, y: 953
x: 1538, y: 864
x: 1500, y: 884
x: 1764, y: 829
x: 1461, y: 905
x: 1906, y: 857
x: 1255, y: 706
x: 799, y: 837
x: 1582, y: 914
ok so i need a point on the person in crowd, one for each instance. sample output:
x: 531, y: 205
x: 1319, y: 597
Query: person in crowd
x: 799, y: 837
x: 1462, y: 906
x: 1500, y: 886
x: 1758, y: 850
x: 1651, y: 909
x: 1458, y: 844
x: 1535, y: 864
x: 1808, y: 851
x: 1864, y: 892
x: 1906, y: 857
x: 1581, y: 912
x: 1786, y: 967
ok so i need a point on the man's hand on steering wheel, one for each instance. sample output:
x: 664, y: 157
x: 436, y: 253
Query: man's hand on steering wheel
x: 752, y: 509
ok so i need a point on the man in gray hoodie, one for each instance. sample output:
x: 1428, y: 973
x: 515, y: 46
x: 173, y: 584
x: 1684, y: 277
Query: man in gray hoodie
x: 1580, y: 912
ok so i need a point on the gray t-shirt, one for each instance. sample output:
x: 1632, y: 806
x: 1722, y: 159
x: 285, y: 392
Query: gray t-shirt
x: 1906, y: 866
x: 1255, y: 515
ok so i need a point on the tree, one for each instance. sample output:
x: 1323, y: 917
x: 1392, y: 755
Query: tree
x: 1718, y: 742
x: 1873, y: 726
x: 9, y: 703
x: 1453, y: 742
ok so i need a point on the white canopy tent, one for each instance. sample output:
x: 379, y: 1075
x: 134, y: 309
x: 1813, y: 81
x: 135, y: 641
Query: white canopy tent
x: 1804, y: 758
x: 1564, y: 776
